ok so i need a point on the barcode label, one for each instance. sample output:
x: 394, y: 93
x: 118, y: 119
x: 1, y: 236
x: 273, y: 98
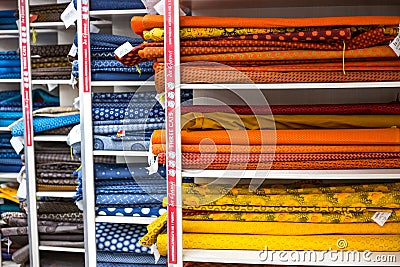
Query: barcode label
x: 395, y: 44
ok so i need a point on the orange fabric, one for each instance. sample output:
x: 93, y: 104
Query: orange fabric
x: 138, y: 24
x: 389, y: 136
x: 226, y: 149
x: 303, y: 165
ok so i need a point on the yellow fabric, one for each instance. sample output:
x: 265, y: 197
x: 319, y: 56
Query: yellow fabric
x: 13, y: 199
x: 153, y: 230
x: 358, y: 199
x: 276, y: 242
x: 304, y: 187
x: 157, y: 34
x: 250, y: 208
x: 294, y: 217
x: 232, y: 121
x: 288, y: 228
x: 46, y: 187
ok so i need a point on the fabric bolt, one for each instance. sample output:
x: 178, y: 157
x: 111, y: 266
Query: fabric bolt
x: 289, y: 137
x: 49, y: 181
x: 101, y: 142
x: 50, y: 50
x: 317, y: 109
x: 53, y: 207
x: 125, y: 97
x: 129, y: 121
x: 124, y: 171
x: 55, y: 188
x: 128, y: 199
x: 128, y: 113
x: 114, y: 129
x: 123, y: 257
x: 254, y: 149
x: 42, y: 124
x: 275, y: 242
x: 120, y: 237
x: 131, y: 211
x: 303, y: 217
x: 231, y: 121
x: 138, y: 23
x: 107, y: 264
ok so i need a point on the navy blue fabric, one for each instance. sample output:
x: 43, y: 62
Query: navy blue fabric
x: 111, y: 5
x: 130, y: 211
x: 122, y: 171
x: 120, y: 257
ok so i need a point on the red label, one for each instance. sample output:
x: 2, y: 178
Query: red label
x: 171, y: 130
x: 25, y: 54
x: 85, y: 46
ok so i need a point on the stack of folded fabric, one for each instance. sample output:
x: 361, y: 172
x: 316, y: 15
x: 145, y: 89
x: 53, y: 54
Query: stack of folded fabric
x: 118, y: 245
x: 345, y: 136
x: 10, y: 161
x: 298, y: 216
x: 7, y: 20
x: 10, y: 64
x: 116, y: 5
x: 104, y: 66
x: 274, y: 50
x: 50, y: 62
x: 59, y: 224
x: 46, y: 12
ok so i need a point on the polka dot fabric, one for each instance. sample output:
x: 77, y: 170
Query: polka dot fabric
x: 120, y: 237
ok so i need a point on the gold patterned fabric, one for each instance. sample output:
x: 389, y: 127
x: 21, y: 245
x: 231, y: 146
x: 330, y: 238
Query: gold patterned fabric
x: 277, y: 242
x: 153, y: 230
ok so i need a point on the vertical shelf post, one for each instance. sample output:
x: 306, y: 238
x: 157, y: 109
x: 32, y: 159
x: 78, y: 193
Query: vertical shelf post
x: 26, y: 91
x: 85, y: 96
x: 173, y: 131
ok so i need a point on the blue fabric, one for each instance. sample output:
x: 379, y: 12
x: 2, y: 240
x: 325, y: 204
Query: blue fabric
x: 126, y: 97
x: 131, y: 138
x: 120, y: 237
x: 112, y: 264
x: 147, y: 104
x: 131, y: 211
x: 122, y: 188
x: 5, y: 122
x: 9, y: 55
x: 126, y: 113
x: 11, y: 161
x: 115, y: 65
x: 109, y: 40
x: 113, y: 129
x: 7, y: 13
x: 128, y: 199
x: 9, y: 168
x: 101, y: 142
x: 10, y: 70
x: 143, y: 182
x: 41, y: 124
x: 122, y: 171
x: 7, y: 20
x: 102, y: 55
x: 110, y: 5
x: 7, y: 63
x: 127, y: 121
x: 120, y: 257
x: 10, y: 115
x: 9, y: 26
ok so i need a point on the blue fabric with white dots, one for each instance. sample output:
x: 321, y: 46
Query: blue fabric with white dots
x: 123, y: 257
x: 120, y: 237
x: 131, y: 211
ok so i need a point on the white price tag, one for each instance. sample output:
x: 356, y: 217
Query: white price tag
x: 153, y: 164
x: 159, y: 7
x: 70, y: 15
x: 93, y: 28
x: 51, y: 86
x: 395, y: 44
x: 156, y: 253
x: 73, y: 51
x: 381, y: 217
x: 21, y: 193
x: 74, y: 135
x: 17, y: 143
x: 123, y: 50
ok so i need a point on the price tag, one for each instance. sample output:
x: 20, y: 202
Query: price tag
x: 73, y: 51
x: 381, y: 217
x: 123, y: 50
x: 51, y: 86
x: 156, y: 253
x: 395, y: 44
x: 159, y: 7
x: 21, y: 193
x: 70, y: 15
x: 17, y: 143
x: 93, y: 28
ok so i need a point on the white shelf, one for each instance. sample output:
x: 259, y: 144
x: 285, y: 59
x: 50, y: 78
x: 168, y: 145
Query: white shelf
x: 5, y: 129
x: 10, y: 264
x: 124, y: 219
x: 8, y: 176
x: 10, y: 80
x: 51, y: 82
x: 61, y: 25
x: 118, y: 12
x: 121, y: 153
x: 296, y: 174
x: 322, y: 258
x: 64, y: 249
x: 122, y: 83
x: 56, y: 194
x: 280, y: 86
x: 50, y: 138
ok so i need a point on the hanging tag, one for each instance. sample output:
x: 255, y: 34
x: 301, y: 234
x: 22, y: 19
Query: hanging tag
x: 161, y: 99
x: 381, y: 217
x: 51, y: 86
x: 73, y: 51
x: 395, y: 44
x: 153, y: 164
x: 17, y: 143
x: 70, y: 15
x: 123, y: 50
x: 21, y: 193
x: 77, y: 103
x: 93, y: 28
x: 156, y: 253
x: 74, y: 135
